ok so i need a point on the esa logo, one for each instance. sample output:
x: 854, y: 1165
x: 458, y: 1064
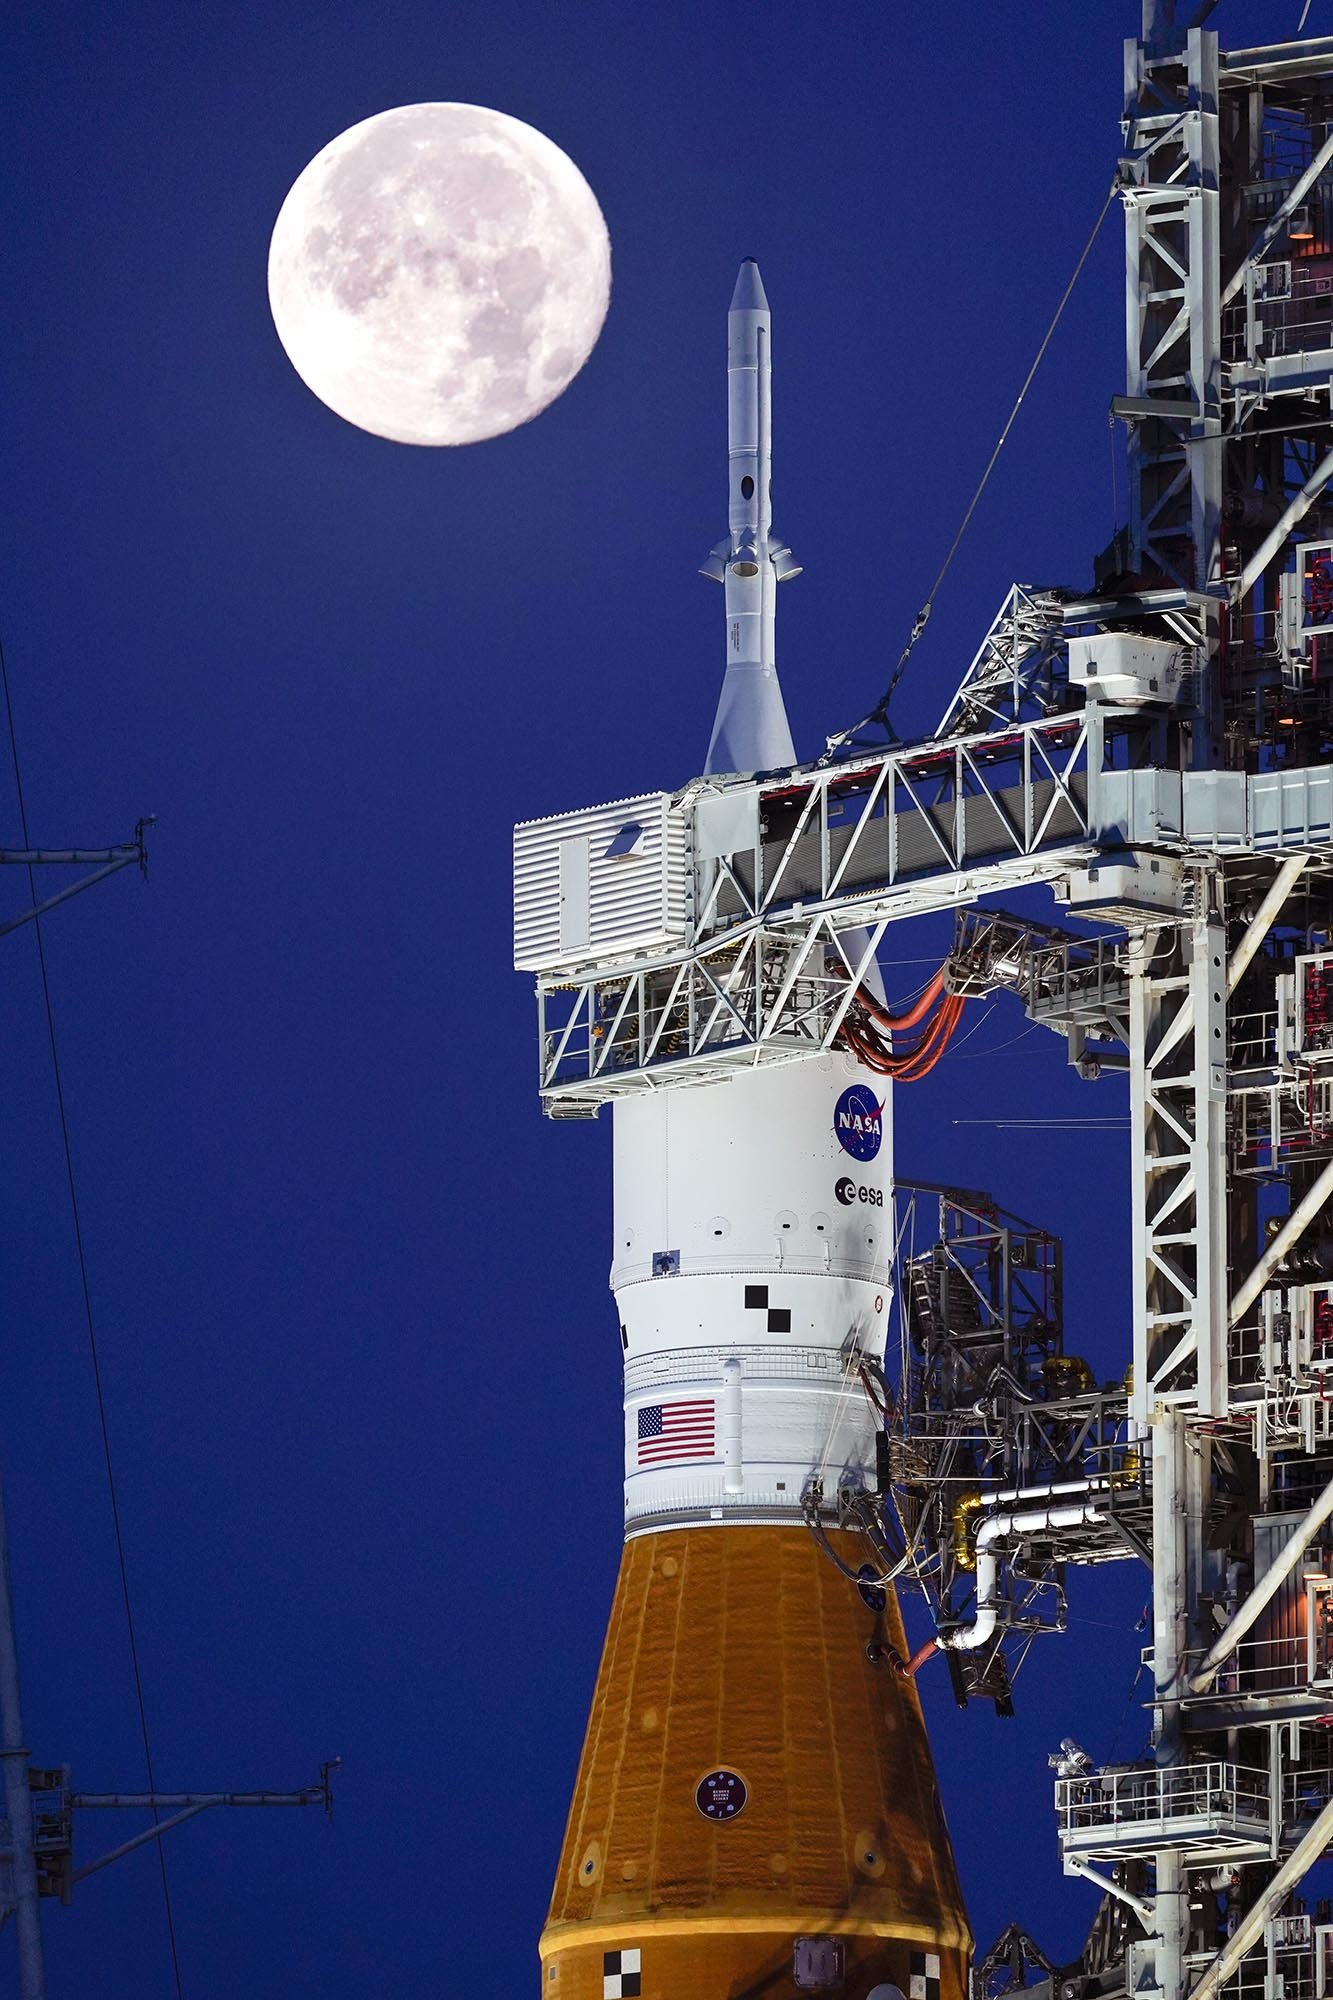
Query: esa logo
x: 857, y: 1122
x: 848, y: 1193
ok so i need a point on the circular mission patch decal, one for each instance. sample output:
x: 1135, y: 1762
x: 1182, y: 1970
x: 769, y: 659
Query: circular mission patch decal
x: 721, y: 1795
x: 857, y: 1122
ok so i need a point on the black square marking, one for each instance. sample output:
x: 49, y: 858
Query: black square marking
x: 624, y: 1337
x: 622, y: 1978
x: 756, y: 1298
x: 924, y: 1982
x: 779, y: 1320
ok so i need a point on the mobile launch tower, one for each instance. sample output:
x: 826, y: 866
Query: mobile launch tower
x: 1157, y: 749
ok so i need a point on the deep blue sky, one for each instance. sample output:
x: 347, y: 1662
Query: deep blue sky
x: 362, y: 1371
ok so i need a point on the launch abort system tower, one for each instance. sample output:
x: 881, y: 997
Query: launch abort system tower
x: 1156, y: 748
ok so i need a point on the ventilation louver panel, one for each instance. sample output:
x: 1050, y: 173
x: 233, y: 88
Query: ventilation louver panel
x: 600, y: 883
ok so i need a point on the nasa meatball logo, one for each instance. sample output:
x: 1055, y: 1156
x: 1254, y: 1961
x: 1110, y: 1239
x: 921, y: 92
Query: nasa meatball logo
x: 857, y: 1123
x: 721, y: 1795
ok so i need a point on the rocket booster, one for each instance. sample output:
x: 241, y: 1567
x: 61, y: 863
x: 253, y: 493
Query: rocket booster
x: 751, y: 732
x: 755, y: 1810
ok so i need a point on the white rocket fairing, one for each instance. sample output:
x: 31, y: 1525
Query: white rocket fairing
x: 755, y: 1810
x: 752, y: 1252
x: 752, y: 1217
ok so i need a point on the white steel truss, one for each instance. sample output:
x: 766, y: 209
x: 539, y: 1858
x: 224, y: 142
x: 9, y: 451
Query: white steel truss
x: 1169, y: 180
x: 1178, y: 1089
x: 1014, y: 673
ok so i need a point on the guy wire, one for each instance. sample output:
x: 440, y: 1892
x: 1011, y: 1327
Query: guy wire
x: 880, y: 712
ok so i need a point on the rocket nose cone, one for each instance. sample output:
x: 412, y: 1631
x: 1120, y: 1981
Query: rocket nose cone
x: 749, y: 295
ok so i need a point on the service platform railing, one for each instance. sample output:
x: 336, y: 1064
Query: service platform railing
x: 1287, y: 309
x: 1294, y: 1961
x: 1209, y: 1810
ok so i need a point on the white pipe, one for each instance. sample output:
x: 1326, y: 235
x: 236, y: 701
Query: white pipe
x: 1251, y: 1926
x: 1100, y: 1483
x: 1273, y: 541
x: 1295, y: 1226
x: 1265, y: 1589
x: 967, y: 1638
x: 733, y: 1462
x: 1075, y: 1865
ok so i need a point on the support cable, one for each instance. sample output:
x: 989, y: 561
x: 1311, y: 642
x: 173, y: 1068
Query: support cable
x: 986, y: 1014
x: 998, y: 1048
x: 880, y: 712
x: 1093, y: 1123
x: 92, y: 1329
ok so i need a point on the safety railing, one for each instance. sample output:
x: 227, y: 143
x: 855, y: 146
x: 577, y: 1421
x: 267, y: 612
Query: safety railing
x: 1287, y: 309
x: 1210, y: 1807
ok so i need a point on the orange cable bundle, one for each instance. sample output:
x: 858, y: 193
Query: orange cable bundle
x: 865, y: 1037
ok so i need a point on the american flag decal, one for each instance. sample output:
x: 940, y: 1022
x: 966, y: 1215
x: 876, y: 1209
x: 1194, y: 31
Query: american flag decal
x: 669, y: 1431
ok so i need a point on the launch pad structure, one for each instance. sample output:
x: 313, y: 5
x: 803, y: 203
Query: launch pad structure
x: 1157, y: 749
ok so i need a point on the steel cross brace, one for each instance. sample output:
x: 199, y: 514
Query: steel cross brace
x: 190, y: 1803
x: 1177, y: 1069
x: 1170, y: 177
x: 104, y: 860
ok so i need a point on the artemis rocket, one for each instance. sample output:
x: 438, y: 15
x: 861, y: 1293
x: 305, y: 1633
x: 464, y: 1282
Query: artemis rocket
x: 755, y: 1811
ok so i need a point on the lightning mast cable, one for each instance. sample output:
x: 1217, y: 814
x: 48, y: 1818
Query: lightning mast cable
x: 879, y: 714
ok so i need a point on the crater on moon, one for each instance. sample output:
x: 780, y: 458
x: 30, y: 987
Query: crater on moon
x: 439, y: 273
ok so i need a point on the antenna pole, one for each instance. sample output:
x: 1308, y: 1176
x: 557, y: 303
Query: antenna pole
x: 18, y: 1797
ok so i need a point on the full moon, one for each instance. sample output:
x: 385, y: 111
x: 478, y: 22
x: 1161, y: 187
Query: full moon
x: 439, y: 273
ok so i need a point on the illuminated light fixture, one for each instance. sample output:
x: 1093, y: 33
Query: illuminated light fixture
x: 1300, y: 228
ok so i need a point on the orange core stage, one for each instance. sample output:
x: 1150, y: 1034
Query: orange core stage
x: 755, y: 1815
